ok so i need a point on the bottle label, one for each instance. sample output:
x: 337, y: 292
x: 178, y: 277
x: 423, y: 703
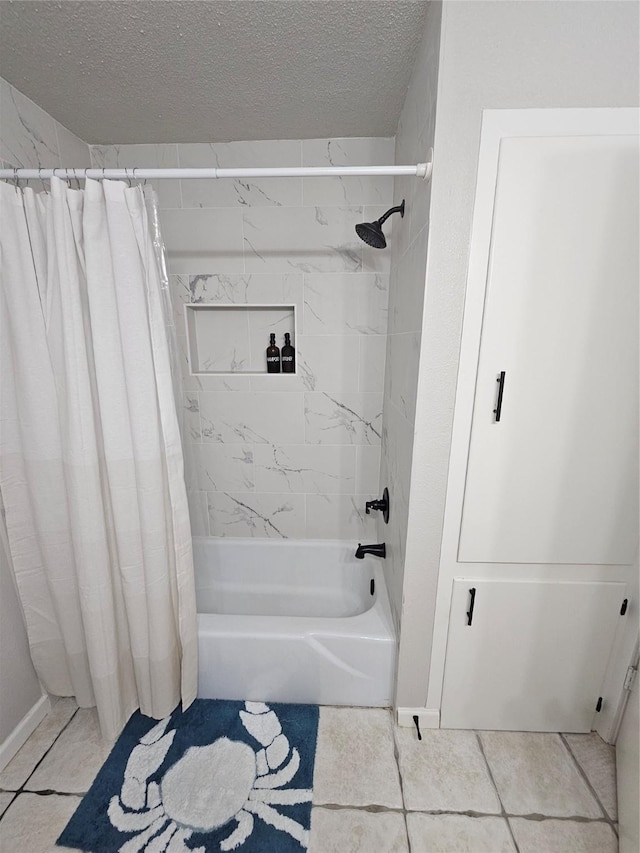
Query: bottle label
x: 273, y: 359
x: 287, y: 358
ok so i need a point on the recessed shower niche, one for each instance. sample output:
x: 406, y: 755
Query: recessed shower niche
x: 232, y: 339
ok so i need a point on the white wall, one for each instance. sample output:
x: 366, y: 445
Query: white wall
x: 29, y: 137
x: 414, y: 137
x: 19, y: 685
x: 278, y: 456
x: 492, y: 55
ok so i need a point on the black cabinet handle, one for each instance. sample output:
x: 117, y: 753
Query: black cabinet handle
x: 472, y: 604
x: 498, y: 408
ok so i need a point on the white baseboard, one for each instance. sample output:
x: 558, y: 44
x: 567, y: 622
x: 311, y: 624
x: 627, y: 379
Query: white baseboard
x: 428, y: 718
x: 34, y: 716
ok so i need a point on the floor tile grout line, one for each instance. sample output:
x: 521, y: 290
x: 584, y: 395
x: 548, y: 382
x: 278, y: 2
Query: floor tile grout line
x: 6, y: 808
x: 396, y: 755
x: 587, y: 781
x: 21, y: 789
x: 495, y: 786
x: 572, y: 818
x: 373, y: 808
x: 51, y: 792
x: 532, y: 816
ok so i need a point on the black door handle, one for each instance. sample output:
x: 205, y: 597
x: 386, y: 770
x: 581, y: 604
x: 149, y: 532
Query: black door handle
x: 498, y: 409
x: 472, y: 604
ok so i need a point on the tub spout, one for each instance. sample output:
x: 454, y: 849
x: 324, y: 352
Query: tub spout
x: 375, y: 550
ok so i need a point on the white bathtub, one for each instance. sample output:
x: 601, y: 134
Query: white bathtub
x: 292, y: 621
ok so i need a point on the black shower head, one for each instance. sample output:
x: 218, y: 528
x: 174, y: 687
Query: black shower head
x: 371, y: 232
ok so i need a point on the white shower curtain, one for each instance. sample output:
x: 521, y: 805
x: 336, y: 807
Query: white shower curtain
x: 91, y: 468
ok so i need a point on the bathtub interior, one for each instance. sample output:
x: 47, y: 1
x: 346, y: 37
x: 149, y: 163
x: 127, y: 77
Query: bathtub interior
x: 267, y: 578
x: 292, y: 622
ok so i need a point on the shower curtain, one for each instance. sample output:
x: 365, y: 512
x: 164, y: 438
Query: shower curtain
x: 91, y: 468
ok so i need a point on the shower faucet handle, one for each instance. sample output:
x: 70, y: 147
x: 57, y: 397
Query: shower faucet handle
x: 379, y: 504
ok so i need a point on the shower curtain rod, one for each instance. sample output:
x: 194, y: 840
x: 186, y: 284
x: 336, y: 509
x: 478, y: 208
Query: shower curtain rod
x: 420, y: 170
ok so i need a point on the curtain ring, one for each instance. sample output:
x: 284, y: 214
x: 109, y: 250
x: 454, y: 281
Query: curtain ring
x: 77, y: 179
x: 128, y: 175
x: 45, y: 188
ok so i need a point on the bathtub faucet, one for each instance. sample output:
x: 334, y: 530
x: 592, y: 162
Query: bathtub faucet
x: 375, y: 550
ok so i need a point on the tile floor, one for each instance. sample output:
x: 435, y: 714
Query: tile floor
x: 377, y: 789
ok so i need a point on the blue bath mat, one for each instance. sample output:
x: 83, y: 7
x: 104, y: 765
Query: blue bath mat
x: 220, y: 776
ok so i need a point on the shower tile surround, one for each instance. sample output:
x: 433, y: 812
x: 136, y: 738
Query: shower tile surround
x: 292, y: 456
x: 31, y: 138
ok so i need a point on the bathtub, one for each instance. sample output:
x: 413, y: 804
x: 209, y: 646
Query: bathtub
x: 292, y: 621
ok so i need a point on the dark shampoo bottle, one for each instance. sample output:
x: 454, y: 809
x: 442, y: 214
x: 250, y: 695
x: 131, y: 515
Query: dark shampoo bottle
x: 288, y: 355
x: 273, y: 356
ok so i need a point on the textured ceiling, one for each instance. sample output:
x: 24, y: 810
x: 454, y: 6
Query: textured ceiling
x: 205, y: 70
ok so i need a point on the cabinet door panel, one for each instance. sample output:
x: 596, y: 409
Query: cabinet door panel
x: 534, y: 656
x: 555, y: 481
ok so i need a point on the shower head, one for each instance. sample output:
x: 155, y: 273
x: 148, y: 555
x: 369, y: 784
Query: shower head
x: 371, y: 232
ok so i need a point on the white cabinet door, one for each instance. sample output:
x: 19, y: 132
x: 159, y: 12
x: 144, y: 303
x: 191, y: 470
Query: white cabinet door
x: 533, y: 657
x: 555, y: 481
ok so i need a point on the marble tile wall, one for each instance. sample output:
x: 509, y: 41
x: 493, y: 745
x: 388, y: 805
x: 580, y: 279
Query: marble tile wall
x: 415, y: 136
x: 31, y: 138
x: 280, y: 456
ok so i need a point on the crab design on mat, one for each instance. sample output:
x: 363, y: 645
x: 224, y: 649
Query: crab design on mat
x: 240, y: 783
